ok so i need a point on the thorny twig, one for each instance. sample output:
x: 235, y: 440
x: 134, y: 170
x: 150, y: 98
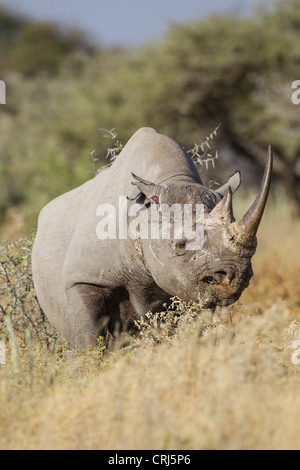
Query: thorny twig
x: 111, y: 153
x: 202, y: 153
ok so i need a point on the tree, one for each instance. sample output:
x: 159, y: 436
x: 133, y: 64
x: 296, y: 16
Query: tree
x: 237, y: 71
x: 31, y: 47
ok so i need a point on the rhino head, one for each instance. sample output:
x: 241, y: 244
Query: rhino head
x: 217, y: 272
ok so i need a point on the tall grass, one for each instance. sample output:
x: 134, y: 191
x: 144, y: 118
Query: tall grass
x: 188, y: 381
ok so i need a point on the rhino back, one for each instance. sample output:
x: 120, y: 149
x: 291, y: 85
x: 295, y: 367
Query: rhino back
x: 153, y: 157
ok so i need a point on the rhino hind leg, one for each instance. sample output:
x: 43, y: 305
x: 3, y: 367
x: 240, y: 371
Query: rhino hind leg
x: 93, y: 311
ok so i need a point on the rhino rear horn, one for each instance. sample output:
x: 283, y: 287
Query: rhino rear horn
x: 247, y: 227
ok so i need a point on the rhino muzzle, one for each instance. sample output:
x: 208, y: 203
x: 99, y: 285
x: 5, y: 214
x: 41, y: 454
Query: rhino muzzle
x: 224, y: 284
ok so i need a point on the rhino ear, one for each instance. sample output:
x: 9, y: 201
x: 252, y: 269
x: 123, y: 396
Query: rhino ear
x: 150, y: 190
x: 234, y: 183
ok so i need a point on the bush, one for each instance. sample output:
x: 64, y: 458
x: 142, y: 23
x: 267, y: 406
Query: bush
x: 18, y: 302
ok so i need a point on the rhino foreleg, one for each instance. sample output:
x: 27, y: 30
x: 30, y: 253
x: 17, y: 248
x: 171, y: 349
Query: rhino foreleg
x: 92, y: 311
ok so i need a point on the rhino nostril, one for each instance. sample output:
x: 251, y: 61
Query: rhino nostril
x: 219, y: 277
x: 209, y: 280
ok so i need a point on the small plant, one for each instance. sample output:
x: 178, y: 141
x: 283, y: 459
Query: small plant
x: 171, y: 324
x: 202, y: 153
x: 111, y: 153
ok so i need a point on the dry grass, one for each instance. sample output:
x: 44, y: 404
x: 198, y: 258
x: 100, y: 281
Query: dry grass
x: 226, y: 382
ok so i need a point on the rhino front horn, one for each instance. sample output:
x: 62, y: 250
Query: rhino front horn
x: 247, y: 227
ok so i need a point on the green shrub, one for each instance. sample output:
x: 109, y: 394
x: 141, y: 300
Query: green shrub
x: 19, y: 308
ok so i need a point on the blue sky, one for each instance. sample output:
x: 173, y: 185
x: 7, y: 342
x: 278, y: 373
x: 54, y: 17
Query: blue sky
x: 127, y: 22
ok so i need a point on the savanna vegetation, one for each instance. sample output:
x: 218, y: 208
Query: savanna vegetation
x: 226, y: 69
x: 184, y: 380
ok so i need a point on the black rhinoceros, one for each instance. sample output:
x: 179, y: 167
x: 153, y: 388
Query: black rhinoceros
x: 87, y: 278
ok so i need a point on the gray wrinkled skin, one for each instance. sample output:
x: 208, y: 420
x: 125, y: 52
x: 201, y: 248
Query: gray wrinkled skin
x: 86, y: 285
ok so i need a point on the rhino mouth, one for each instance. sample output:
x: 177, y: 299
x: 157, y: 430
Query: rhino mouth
x: 211, y: 300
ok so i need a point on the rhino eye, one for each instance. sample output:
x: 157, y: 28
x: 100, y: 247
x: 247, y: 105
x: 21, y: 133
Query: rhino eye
x: 180, y: 247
